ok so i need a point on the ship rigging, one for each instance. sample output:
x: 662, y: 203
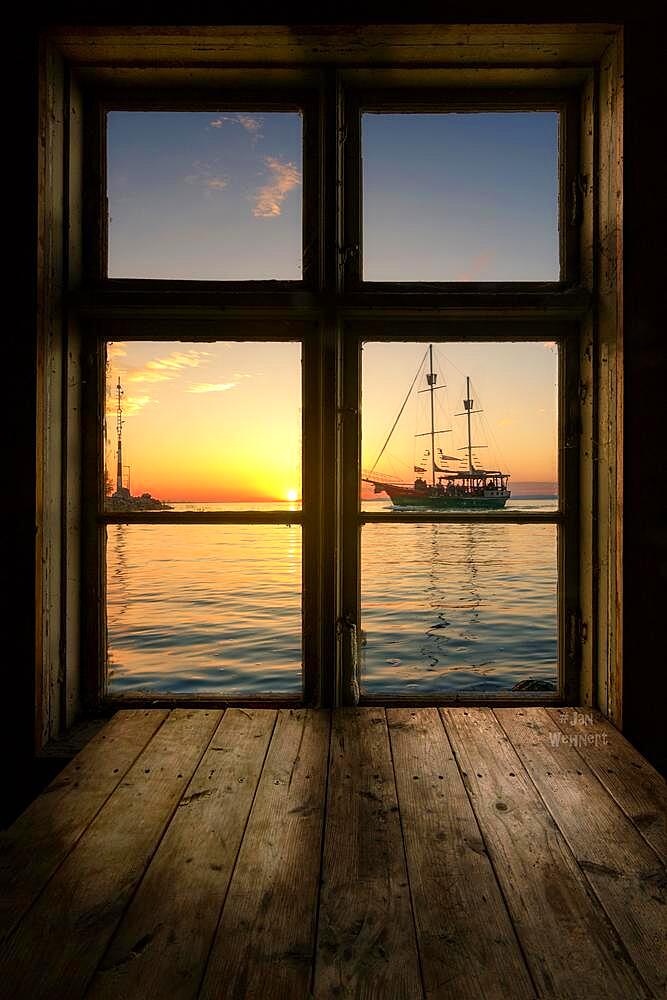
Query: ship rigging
x: 474, y: 487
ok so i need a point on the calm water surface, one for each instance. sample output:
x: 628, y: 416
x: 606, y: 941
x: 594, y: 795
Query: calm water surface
x: 217, y: 608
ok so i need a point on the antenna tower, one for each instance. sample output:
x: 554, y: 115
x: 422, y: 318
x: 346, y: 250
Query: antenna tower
x: 119, y: 431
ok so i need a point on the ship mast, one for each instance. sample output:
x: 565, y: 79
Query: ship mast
x: 431, y: 378
x: 468, y: 411
x: 431, y: 386
x: 119, y: 430
x: 467, y: 402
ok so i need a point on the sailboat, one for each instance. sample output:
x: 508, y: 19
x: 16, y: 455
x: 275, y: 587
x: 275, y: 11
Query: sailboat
x: 449, y: 489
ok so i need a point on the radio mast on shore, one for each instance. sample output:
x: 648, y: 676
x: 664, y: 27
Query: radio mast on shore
x: 122, y: 499
x: 119, y: 430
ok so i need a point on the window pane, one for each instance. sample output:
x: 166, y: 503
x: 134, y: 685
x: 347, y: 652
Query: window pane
x: 494, y: 424
x: 204, y: 195
x: 204, y: 608
x: 203, y: 426
x: 460, y: 197
x: 462, y: 608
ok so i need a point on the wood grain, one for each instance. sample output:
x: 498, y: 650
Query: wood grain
x: 467, y: 945
x: 265, y: 939
x: 638, y: 788
x: 570, y: 947
x: 626, y: 874
x: 33, y: 848
x: 162, y: 944
x: 59, y: 943
x: 395, y: 857
x: 366, y: 942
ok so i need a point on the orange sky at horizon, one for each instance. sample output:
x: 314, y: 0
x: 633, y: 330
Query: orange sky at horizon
x: 221, y: 422
x: 218, y: 195
x: 514, y: 384
x: 207, y: 422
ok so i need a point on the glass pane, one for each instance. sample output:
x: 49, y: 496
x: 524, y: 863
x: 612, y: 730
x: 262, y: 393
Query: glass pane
x: 460, y: 426
x: 204, y: 195
x: 204, y: 609
x: 461, y: 608
x: 460, y: 197
x: 203, y: 426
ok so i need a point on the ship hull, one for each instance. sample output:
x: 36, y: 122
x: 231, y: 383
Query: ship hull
x: 433, y: 500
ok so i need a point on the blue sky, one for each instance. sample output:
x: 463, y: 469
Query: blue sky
x: 460, y: 197
x: 446, y: 197
x: 204, y: 195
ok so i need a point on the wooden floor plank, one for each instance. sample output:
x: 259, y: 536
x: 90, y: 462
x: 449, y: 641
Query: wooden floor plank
x: 162, y: 944
x: 122, y: 888
x: 625, y: 872
x: 366, y: 940
x: 467, y: 945
x: 570, y: 946
x: 41, y: 838
x: 265, y: 939
x: 639, y: 789
x: 59, y: 943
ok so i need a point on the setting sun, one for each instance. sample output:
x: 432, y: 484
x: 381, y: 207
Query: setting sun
x: 212, y: 423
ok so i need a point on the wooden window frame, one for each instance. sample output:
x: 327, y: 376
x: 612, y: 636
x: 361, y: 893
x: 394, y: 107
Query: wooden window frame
x: 97, y: 519
x: 586, y: 62
x: 564, y: 518
x: 441, y: 100
x: 98, y: 105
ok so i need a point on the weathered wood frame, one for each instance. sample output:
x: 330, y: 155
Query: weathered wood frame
x: 565, y: 518
x: 96, y: 518
x: 420, y: 100
x: 101, y: 102
x: 333, y: 66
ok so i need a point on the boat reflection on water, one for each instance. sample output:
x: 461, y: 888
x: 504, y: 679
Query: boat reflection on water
x: 464, y: 608
x: 439, y: 636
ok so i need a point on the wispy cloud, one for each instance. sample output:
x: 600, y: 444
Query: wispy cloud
x: 133, y: 404
x: 178, y: 360
x: 476, y: 268
x: 168, y: 368
x: 269, y: 198
x: 146, y: 376
x: 251, y: 123
x: 211, y: 387
x: 162, y: 369
x: 206, y: 177
x: 116, y: 350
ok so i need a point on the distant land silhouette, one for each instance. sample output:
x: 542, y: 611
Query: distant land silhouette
x: 534, y: 491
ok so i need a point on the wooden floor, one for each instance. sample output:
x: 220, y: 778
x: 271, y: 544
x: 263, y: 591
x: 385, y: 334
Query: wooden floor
x: 515, y: 853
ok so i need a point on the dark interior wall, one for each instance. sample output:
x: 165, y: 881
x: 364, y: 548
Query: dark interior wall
x: 18, y: 437
x: 645, y: 510
x: 645, y: 535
